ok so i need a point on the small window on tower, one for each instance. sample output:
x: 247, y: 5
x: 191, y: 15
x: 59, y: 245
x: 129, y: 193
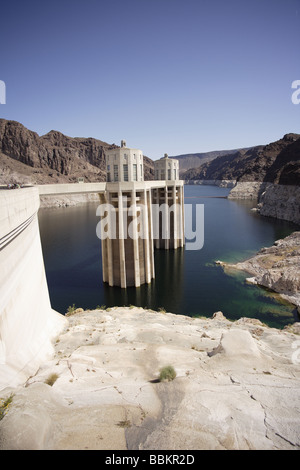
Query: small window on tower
x: 125, y: 172
x: 134, y: 172
x: 116, y: 172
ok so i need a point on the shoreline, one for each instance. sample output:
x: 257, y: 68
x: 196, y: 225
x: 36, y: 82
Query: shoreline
x: 276, y: 268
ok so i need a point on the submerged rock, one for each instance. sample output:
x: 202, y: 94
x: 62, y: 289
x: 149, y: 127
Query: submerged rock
x: 276, y: 267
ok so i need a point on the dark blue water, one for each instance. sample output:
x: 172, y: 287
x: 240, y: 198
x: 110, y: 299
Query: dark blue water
x: 187, y: 282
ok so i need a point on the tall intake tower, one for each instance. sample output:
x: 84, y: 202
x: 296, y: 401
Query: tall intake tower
x: 138, y: 216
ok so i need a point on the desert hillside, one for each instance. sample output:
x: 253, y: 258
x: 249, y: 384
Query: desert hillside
x: 277, y: 162
x: 194, y: 160
x: 26, y: 157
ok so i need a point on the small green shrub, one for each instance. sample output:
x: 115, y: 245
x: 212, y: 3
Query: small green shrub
x: 71, y: 309
x: 162, y: 310
x: 167, y: 374
x: 124, y: 424
x: 51, y: 379
x: 4, y: 404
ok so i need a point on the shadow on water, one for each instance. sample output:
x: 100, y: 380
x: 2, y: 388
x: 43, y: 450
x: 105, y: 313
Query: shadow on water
x: 165, y: 291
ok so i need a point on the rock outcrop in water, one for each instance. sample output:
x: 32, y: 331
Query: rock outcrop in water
x: 281, y: 202
x: 276, y: 267
x: 236, y: 386
x: 273, y: 200
x: 251, y: 190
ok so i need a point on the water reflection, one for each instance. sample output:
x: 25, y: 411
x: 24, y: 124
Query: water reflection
x: 164, y: 291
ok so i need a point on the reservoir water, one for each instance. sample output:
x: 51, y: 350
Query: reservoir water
x: 187, y: 282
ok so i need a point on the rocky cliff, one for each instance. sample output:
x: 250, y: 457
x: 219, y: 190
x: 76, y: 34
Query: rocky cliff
x: 248, y: 190
x: 281, y: 202
x: 274, y: 200
x: 26, y: 157
x: 277, y: 162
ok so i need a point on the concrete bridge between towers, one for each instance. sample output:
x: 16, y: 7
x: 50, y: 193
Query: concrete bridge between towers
x: 88, y: 188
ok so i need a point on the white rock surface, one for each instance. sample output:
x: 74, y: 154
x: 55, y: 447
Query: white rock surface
x: 248, y: 190
x: 237, y: 386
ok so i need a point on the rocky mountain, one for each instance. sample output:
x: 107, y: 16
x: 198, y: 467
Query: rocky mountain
x: 26, y: 157
x: 277, y: 162
x: 194, y: 160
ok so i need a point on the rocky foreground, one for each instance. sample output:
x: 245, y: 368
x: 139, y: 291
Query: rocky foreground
x: 237, y: 386
x: 276, y: 267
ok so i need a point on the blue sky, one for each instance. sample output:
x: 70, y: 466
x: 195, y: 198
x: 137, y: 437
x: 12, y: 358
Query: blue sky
x: 168, y: 76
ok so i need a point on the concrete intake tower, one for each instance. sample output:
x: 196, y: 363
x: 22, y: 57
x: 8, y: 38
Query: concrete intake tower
x: 138, y: 216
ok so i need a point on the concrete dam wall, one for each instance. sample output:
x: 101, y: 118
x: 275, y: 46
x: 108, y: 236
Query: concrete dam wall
x: 27, y: 321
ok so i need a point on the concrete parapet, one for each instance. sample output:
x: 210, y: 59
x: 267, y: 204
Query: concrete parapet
x: 27, y: 321
x: 70, y: 188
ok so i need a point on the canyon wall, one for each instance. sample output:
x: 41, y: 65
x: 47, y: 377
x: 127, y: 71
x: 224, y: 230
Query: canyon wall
x: 274, y: 200
x: 282, y: 202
